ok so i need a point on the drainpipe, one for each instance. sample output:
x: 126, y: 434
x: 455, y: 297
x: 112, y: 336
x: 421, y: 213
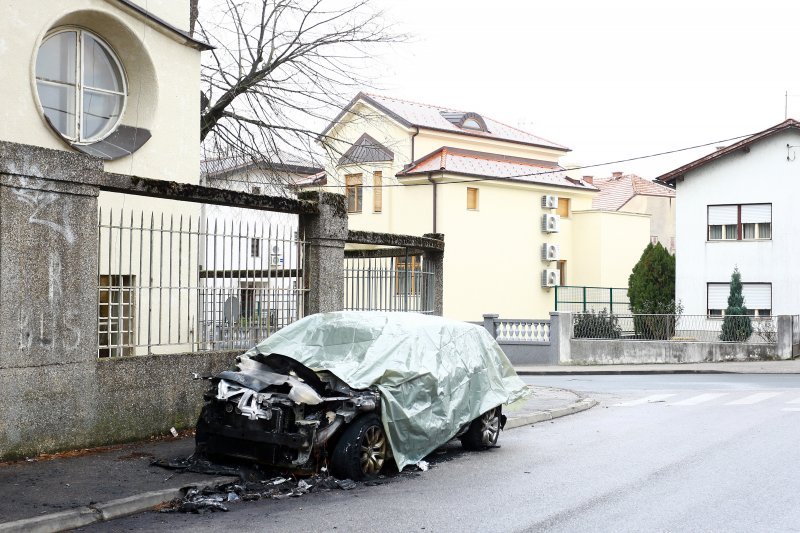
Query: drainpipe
x: 430, y: 179
x: 412, y: 142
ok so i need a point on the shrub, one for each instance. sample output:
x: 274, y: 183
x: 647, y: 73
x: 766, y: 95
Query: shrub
x: 651, y: 289
x: 593, y: 325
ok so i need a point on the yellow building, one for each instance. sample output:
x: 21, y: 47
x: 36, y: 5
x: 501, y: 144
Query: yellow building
x: 515, y: 223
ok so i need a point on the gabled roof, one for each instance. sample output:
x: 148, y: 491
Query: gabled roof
x: 615, y: 192
x: 492, y: 167
x: 411, y: 114
x: 281, y: 163
x: 366, y: 150
x: 671, y: 176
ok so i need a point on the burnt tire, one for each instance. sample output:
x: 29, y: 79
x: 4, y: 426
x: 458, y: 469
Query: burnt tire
x: 483, y: 431
x: 362, y: 451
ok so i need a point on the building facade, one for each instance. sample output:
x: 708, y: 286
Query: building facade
x: 515, y: 223
x: 737, y: 211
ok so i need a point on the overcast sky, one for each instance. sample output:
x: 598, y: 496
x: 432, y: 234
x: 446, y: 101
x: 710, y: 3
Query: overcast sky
x: 609, y: 79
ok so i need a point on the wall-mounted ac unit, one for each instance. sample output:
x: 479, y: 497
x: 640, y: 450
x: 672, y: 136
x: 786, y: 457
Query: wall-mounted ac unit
x: 550, y: 223
x: 550, y: 201
x: 275, y: 259
x: 549, y: 252
x: 550, y: 277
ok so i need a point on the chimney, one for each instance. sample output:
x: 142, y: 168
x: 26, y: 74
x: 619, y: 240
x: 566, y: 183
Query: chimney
x: 616, y: 174
x: 588, y: 179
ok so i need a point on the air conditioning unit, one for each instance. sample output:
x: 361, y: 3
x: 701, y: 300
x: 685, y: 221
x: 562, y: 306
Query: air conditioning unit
x: 550, y: 223
x: 549, y: 252
x: 275, y: 259
x: 550, y: 201
x: 550, y: 277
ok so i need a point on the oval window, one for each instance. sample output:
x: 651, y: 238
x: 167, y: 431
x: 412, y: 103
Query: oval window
x: 81, y: 85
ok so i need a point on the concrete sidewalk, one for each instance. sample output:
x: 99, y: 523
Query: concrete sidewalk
x: 732, y: 367
x: 77, y: 489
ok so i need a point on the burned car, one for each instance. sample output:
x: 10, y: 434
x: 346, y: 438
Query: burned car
x: 357, y: 391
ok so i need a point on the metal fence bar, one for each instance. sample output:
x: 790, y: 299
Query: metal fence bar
x: 399, y: 283
x: 233, y: 298
x: 748, y: 329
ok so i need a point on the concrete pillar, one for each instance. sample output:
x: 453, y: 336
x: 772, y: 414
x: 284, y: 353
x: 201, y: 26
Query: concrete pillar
x: 434, y: 262
x: 323, y: 269
x: 560, y: 336
x: 490, y: 325
x: 784, y: 337
x: 48, y: 296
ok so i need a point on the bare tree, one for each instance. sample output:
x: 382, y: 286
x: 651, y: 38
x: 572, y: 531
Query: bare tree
x: 280, y: 70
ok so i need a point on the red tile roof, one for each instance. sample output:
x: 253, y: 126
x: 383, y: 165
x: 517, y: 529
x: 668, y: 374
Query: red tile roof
x: 430, y: 117
x: 617, y: 191
x: 493, y: 167
x: 671, y: 176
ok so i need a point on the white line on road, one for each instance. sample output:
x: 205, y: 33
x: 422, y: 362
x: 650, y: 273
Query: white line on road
x: 754, y: 398
x: 795, y: 409
x: 700, y: 398
x: 796, y: 400
x: 647, y: 399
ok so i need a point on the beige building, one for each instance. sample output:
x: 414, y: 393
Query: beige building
x: 120, y: 81
x: 632, y: 194
x: 515, y: 223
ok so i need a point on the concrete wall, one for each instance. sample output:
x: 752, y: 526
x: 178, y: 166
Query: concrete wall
x: 618, y: 352
x: 662, y: 216
x: 765, y: 174
x: 612, y: 243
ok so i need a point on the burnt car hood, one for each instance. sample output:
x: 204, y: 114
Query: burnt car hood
x: 434, y: 374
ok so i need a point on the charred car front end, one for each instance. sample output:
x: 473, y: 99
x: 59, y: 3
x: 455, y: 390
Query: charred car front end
x: 356, y: 390
x: 276, y: 411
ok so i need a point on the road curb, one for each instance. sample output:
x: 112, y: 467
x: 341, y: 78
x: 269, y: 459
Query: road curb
x: 631, y: 372
x: 550, y: 414
x: 101, y: 512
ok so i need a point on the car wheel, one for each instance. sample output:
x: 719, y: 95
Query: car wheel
x: 483, y: 431
x: 362, y: 450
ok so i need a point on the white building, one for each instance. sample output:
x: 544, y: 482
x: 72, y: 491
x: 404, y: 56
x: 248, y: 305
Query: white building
x: 737, y: 209
x: 249, y: 259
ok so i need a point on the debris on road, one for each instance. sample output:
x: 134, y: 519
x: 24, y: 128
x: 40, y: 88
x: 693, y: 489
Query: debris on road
x: 212, y: 499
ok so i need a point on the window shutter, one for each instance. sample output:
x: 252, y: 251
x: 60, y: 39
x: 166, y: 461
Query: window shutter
x: 757, y: 295
x: 756, y: 213
x: 718, y: 295
x: 377, y: 190
x: 719, y: 215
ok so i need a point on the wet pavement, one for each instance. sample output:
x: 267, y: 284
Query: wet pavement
x: 41, y: 486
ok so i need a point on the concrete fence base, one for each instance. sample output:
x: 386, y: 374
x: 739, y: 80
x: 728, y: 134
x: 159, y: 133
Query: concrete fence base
x: 562, y: 348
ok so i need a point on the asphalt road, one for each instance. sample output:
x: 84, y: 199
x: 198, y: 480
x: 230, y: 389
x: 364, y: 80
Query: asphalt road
x: 660, y: 453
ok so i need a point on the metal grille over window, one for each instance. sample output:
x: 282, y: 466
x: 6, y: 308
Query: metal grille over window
x: 399, y: 283
x: 184, y: 283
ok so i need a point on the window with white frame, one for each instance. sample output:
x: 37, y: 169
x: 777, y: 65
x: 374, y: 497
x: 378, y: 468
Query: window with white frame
x: 757, y: 298
x: 739, y: 222
x: 80, y: 84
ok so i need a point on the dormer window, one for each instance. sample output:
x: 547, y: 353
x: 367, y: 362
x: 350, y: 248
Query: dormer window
x: 471, y: 124
x: 465, y: 121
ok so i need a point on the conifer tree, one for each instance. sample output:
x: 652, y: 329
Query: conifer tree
x: 736, y: 326
x: 651, y: 290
